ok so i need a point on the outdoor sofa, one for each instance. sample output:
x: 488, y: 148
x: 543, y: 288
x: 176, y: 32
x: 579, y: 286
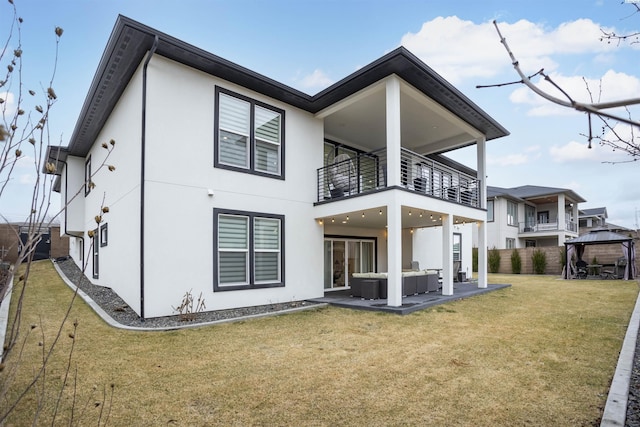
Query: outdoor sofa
x: 374, y: 285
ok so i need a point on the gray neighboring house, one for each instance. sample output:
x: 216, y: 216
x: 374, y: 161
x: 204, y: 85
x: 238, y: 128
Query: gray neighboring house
x: 531, y: 216
x: 596, y: 218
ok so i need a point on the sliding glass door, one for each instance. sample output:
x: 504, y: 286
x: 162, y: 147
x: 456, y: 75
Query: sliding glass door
x: 343, y: 257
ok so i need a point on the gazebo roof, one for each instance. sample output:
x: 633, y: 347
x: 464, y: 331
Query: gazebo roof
x: 598, y: 236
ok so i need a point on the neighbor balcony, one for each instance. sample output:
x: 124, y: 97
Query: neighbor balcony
x: 545, y: 227
x: 349, y: 176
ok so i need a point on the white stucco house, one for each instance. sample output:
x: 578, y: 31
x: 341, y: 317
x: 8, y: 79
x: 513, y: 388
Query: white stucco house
x: 237, y: 187
x: 531, y: 216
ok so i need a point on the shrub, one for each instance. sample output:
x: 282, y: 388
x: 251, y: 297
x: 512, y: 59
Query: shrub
x: 539, y: 259
x: 563, y: 257
x: 516, y: 262
x: 494, y: 260
x: 474, y: 259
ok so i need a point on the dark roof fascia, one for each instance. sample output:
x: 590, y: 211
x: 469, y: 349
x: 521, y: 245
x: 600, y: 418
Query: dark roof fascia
x: 130, y: 41
x: 532, y: 191
x: 495, y: 192
x: 597, y: 212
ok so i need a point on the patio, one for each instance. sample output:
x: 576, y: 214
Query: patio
x: 410, y: 303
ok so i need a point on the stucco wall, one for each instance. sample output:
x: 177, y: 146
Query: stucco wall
x: 427, y: 246
x: 179, y: 221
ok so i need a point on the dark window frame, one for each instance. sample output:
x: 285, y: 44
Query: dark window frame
x: 104, y: 235
x: 515, y: 214
x: 251, y: 169
x: 493, y: 211
x: 95, y: 254
x: 87, y: 176
x: 217, y: 287
x: 459, y: 252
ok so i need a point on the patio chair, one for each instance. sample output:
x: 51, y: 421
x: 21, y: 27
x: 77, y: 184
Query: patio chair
x: 456, y: 270
x: 343, y: 176
x: 581, y: 267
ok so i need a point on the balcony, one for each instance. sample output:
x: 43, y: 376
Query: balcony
x: 367, y: 172
x: 545, y: 227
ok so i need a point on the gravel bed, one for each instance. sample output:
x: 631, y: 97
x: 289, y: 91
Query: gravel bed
x: 115, y: 307
x: 633, y: 404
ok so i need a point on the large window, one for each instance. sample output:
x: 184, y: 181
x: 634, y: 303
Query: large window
x: 249, y: 135
x: 512, y: 213
x: 249, y: 250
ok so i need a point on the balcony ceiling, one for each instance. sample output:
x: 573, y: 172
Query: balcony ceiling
x: 426, y: 128
x: 376, y: 218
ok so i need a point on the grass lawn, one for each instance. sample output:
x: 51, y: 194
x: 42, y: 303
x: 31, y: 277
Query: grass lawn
x: 541, y: 352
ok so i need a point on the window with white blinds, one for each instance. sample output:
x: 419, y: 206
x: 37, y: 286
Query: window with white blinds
x: 249, y: 135
x: 233, y: 247
x: 248, y: 250
x: 234, y: 119
x: 267, y: 249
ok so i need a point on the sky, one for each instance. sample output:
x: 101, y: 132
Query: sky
x: 310, y: 44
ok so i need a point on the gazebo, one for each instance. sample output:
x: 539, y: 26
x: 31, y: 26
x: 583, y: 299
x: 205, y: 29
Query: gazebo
x: 601, y: 237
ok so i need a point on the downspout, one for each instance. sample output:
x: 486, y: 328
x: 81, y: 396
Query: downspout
x: 142, y: 169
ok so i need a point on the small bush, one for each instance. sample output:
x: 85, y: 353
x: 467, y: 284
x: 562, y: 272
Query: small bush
x: 516, y: 262
x: 539, y: 259
x: 563, y: 257
x: 474, y: 259
x: 494, y: 260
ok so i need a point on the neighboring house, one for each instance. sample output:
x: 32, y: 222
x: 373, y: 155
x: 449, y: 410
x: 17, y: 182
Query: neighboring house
x: 531, y: 216
x: 596, y: 218
x: 248, y: 192
x: 592, y: 218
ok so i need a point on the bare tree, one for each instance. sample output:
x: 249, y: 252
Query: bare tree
x: 609, y: 123
x: 24, y: 137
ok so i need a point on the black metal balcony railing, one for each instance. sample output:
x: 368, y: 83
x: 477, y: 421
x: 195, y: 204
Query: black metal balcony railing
x: 348, y: 176
x: 542, y: 227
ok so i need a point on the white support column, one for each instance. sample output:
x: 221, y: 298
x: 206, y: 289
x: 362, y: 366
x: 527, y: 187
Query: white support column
x: 481, y: 154
x: 482, y: 254
x: 561, y: 214
x: 394, y: 253
x: 575, y: 216
x: 393, y: 132
x: 447, y: 254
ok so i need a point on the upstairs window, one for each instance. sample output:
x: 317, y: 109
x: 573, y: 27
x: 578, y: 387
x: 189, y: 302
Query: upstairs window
x: 512, y: 213
x: 249, y: 135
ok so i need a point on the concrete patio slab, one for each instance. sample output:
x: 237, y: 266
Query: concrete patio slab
x: 410, y: 303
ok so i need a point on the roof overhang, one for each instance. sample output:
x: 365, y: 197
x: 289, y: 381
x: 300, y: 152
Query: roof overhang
x: 130, y: 41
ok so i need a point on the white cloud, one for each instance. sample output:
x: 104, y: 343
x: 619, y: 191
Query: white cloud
x: 507, y: 160
x: 610, y: 87
x: 9, y: 102
x: 460, y: 49
x: 575, y: 151
x: 315, y: 81
x: 529, y: 153
x: 27, y: 179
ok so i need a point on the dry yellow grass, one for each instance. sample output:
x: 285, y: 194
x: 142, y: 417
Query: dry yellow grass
x: 542, y: 352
